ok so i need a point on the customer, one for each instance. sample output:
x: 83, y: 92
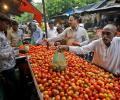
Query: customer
x: 13, y: 34
x: 36, y: 33
x: 73, y: 35
x: 106, y: 50
x: 52, y: 30
x: 7, y: 61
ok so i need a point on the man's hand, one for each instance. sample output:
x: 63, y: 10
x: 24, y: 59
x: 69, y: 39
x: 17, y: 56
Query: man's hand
x: 117, y: 75
x: 57, y: 43
x: 44, y: 42
x: 63, y: 47
x: 76, y: 43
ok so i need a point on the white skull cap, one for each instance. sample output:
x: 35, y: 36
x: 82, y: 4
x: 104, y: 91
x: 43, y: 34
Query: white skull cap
x: 110, y: 28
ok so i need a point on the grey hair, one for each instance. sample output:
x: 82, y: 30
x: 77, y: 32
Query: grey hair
x: 111, y: 28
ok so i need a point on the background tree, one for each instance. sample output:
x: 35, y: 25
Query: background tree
x: 26, y: 17
x: 54, y: 7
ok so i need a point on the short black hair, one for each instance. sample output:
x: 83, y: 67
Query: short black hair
x: 14, y: 22
x: 76, y: 16
x: 3, y: 17
x: 51, y: 22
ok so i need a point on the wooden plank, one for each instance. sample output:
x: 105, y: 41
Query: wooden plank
x: 35, y: 82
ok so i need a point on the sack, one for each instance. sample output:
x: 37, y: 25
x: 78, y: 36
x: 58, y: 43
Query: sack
x: 59, y: 62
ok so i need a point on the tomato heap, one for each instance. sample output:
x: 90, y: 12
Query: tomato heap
x: 79, y: 81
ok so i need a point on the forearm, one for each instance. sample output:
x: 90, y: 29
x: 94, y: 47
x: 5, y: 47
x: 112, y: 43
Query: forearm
x: 84, y: 43
x: 76, y: 50
x: 54, y: 39
x: 58, y: 38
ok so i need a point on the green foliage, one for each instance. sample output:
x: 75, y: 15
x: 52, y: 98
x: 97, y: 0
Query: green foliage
x: 25, y: 17
x: 55, y: 7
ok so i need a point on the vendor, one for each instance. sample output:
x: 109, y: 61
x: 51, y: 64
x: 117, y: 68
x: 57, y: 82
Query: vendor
x: 7, y: 61
x: 73, y: 35
x: 106, y: 50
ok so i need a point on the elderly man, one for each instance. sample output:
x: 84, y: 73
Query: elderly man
x: 106, y: 50
x: 73, y: 35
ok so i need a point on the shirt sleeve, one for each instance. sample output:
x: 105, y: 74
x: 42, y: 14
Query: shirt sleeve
x: 84, y: 49
x: 9, y: 36
x: 85, y: 38
x: 59, y: 37
x: 40, y: 37
x: 5, y: 49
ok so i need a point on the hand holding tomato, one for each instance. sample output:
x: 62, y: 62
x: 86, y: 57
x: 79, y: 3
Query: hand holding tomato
x: 63, y: 47
x: 75, y: 43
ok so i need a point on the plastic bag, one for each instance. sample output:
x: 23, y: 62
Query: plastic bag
x: 19, y: 44
x: 59, y: 62
x: 32, y: 41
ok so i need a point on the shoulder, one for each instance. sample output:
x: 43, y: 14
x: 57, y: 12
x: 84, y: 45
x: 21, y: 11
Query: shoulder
x: 67, y: 29
x: 82, y: 29
x: 97, y: 42
x: 116, y: 39
x: 2, y: 35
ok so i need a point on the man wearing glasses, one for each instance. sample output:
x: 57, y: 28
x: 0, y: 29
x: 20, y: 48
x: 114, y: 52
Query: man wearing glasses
x: 106, y: 50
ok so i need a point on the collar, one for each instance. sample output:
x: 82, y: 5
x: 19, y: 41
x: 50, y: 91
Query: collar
x: 76, y: 28
x: 103, y: 44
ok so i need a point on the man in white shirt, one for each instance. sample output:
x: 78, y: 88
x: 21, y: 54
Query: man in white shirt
x: 73, y: 35
x: 106, y: 50
x: 51, y: 31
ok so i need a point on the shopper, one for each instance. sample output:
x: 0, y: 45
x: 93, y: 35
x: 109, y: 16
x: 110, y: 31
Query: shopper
x: 13, y: 34
x: 36, y: 33
x: 73, y: 35
x: 106, y: 50
x: 52, y: 30
x: 7, y: 61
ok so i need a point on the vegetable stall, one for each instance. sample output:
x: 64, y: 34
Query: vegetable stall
x: 80, y: 80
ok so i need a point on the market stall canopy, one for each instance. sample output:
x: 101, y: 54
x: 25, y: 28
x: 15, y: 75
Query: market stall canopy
x: 82, y: 9
x: 97, y: 5
x: 109, y: 7
x: 17, y: 7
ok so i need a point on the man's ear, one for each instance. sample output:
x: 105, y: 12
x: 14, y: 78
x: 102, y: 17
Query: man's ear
x: 115, y: 33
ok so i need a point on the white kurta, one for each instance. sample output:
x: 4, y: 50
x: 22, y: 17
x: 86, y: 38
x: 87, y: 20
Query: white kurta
x: 106, y: 57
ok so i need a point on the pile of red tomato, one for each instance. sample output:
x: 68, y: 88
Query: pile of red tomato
x: 80, y: 80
